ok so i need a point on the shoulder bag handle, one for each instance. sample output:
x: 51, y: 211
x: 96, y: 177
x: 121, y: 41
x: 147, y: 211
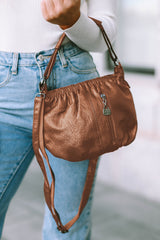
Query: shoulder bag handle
x: 53, y: 57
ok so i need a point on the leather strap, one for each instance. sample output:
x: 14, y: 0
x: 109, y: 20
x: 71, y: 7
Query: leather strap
x: 109, y: 45
x: 53, y: 57
x: 38, y: 146
x: 39, y: 149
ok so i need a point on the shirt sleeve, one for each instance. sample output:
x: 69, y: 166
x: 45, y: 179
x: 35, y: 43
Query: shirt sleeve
x: 86, y: 34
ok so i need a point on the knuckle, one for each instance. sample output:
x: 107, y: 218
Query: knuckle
x: 49, y: 16
x: 59, y: 12
x: 71, y: 4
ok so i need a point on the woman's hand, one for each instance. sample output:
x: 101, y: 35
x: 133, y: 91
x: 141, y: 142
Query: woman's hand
x: 61, y: 12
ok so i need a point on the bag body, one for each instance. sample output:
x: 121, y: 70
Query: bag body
x: 78, y: 125
x: 82, y: 121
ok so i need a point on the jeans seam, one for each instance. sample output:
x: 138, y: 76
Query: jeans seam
x: 15, y: 171
x: 41, y: 64
x: 18, y: 127
x: 81, y: 71
x: 7, y: 80
x: 23, y: 65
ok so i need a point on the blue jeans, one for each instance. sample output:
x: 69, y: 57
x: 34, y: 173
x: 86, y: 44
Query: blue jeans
x: 20, y: 74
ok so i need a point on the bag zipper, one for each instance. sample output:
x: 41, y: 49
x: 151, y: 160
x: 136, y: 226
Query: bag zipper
x: 107, y: 112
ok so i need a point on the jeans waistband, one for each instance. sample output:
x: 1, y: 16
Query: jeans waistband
x: 15, y: 59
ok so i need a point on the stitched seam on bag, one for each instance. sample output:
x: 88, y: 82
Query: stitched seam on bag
x: 75, y: 87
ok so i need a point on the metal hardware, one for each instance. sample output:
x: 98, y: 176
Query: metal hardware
x: 62, y: 230
x: 42, y: 85
x: 40, y: 94
x: 43, y: 57
x: 40, y: 57
x: 106, y: 110
x: 117, y: 62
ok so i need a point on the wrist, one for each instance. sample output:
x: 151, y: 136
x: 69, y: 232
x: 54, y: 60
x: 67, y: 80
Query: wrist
x: 63, y: 27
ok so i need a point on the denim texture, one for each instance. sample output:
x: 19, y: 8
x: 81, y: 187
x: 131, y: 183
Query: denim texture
x: 20, y: 74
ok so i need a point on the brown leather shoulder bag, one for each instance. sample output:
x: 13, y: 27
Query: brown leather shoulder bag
x: 82, y: 121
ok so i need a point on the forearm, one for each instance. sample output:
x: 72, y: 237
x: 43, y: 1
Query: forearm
x: 86, y: 34
x: 78, y: 27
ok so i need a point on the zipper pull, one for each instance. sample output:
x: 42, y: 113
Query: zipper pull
x: 106, y: 110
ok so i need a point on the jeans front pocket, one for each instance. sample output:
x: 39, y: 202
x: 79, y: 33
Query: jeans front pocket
x: 82, y: 63
x: 5, y: 75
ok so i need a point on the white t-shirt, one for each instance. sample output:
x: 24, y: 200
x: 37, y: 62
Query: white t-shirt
x: 23, y: 28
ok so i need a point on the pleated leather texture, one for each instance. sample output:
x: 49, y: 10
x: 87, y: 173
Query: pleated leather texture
x: 75, y: 127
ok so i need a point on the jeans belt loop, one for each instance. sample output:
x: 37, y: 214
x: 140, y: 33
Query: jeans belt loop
x: 62, y: 57
x: 14, y: 68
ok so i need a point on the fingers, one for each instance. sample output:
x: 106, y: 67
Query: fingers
x: 61, y: 12
x: 47, y: 7
x: 71, y: 3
